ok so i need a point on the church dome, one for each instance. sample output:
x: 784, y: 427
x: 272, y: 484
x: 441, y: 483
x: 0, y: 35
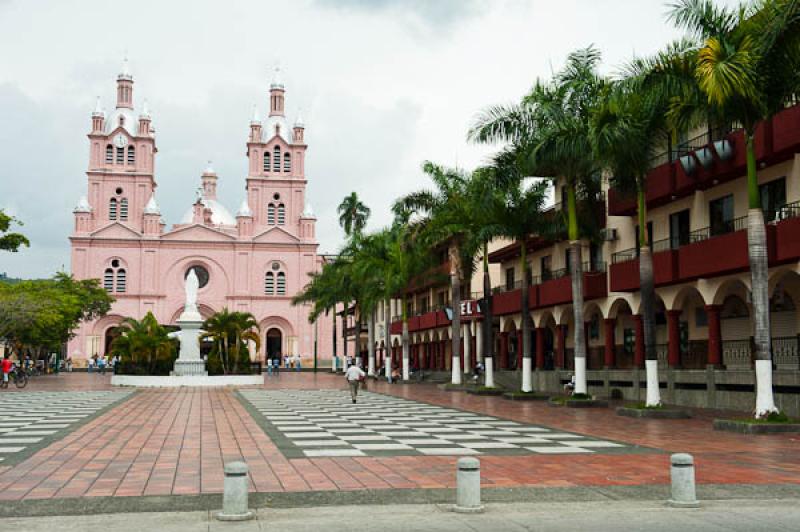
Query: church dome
x: 219, y: 214
x: 284, y: 130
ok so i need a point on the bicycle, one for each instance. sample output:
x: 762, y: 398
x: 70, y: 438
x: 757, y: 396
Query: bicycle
x: 18, y: 376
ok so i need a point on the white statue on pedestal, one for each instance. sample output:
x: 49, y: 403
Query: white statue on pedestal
x: 190, y: 321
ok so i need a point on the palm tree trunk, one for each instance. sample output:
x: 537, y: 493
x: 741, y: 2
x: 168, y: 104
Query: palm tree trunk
x: 405, y: 340
x: 334, y: 359
x: 577, y: 292
x: 759, y: 271
x: 527, y: 384
x: 387, y: 338
x: 371, y: 343
x: 647, y: 287
x: 488, y: 343
x: 455, y: 324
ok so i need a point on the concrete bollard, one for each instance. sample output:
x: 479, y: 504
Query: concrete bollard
x: 234, y: 498
x: 682, y: 474
x: 468, y: 486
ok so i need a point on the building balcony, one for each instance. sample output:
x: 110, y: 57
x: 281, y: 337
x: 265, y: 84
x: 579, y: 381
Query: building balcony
x: 624, y: 269
x: 711, y: 159
x: 508, y: 300
x: 557, y: 290
x: 787, y: 229
x: 718, y: 251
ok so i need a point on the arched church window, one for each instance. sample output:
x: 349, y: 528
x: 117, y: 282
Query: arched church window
x: 112, y: 209
x: 266, y: 161
x: 287, y: 162
x: 281, y: 214
x: 269, y: 284
x: 123, y: 209
x: 276, y: 162
x: 281, y: 284
x: 131, y: 155
x: 121, y: 280
x: 109, y: 154
x: 108, y: 280
x: 271, y: 214
x: 120, y: 155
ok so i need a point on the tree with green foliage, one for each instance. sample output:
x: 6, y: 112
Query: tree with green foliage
x: 38, y: 317
x: 448, y: 219
x: 515, y: 211
x: 353, y: 214
x: 10, y: 241
x: 627, y: 128
x: 739, y: 67
x: 144, y: 346
x: 552, y: 125
x: 230, y: 333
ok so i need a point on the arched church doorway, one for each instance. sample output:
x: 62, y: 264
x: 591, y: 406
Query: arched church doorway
x: 274, y: 344
x: 111, y: 334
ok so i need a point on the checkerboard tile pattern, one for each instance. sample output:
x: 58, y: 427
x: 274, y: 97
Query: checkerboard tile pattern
x: 30, y: 419
x: 324, y: 423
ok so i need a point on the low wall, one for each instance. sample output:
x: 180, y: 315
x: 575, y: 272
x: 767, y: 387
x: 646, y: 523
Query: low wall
x: 708, y: 388
x: 174, y: 381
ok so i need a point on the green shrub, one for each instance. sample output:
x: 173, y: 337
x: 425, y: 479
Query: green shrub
x: 580, y: 397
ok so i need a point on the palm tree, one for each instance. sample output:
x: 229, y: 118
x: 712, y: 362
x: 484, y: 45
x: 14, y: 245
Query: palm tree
x: 448, y: 217
x: 326, y: 290
x: 230, y: 331
x: 745, y: 67
x: 553, y: 125
x: 353, y: 214
x: 144, y: 343
x: 515, y: 210
x: 625, y: 130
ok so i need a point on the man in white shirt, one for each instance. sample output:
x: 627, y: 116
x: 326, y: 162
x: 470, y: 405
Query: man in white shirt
x: 354, y: 375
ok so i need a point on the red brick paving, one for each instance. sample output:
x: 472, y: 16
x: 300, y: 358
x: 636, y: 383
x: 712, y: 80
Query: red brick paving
x: 163, y: 442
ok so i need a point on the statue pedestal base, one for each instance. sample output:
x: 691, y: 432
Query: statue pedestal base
x: 189, y: 361
x: 189, y: 367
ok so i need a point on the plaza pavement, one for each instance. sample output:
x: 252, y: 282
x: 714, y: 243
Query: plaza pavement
x: 165, y: 449
x: 717, y: 516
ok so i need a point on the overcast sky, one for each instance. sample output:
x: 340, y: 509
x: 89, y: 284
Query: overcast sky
x: 383, y: 85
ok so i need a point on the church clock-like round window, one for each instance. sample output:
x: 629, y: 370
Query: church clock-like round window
x: 276, y: 266
x: 200, y: 272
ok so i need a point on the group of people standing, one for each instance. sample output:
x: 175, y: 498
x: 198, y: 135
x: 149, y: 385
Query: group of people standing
x: 289, y: 362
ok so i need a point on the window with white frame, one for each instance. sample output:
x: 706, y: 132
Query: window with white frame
x: 271, y: 214
x: 281, y: 284
x: 121, y: 280
x: 131, y: 155
x: 266, y: 161
x: 120, y: 155
x: 123, y: 209
x: 112, y: 209
x: 269, y: 284
x: 287, y: 162
x: 281, y: 214
x: 109, y: 154
x: 115, y: 277
x: 276, y: 162
x: 108, y: 280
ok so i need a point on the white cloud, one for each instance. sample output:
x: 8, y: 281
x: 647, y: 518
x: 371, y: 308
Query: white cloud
x: 384, y: 85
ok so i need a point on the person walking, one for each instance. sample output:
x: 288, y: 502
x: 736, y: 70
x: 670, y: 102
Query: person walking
x: 5, y: 367
x: 90, y: 364
x: 101, y: 365
x: 297, y: 366
x: 354, y: 376
x: 269, y: 367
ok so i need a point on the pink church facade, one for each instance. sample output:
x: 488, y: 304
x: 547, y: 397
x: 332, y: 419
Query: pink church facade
x: 254, y: 261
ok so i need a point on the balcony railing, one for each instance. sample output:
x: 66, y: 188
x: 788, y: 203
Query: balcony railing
x: 718, y: 229
x: 656, y: 247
